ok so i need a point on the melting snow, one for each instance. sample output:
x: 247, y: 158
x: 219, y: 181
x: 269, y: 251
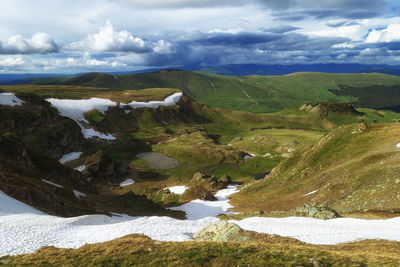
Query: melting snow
x: 10, y: 99
x: 79, y: 194
x: 69, y: 157
x: 80, y: 168
x: 169, y: 101
x: 25, y: 229
x: 76, y: 109
x: 310, y: 193
x: 127, y: 182
x: 49, y: 182
x: 198, y: 209
x: 179, y: 189
x: 316, y: 231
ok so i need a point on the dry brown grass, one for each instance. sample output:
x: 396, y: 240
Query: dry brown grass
x: 139, y: 250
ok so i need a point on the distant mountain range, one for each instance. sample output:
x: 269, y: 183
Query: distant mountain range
x: 228, y: 70
x: 255, y: 69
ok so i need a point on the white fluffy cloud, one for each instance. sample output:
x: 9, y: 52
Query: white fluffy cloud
x: 11, y: 61
x: 39, y: 43
x: 388, y: 34
x: 109, y: 40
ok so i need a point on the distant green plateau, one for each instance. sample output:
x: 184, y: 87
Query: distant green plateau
x: 256, y: 94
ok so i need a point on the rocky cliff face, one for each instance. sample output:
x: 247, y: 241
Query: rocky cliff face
x: 27, y: 176
x: 40, y: 126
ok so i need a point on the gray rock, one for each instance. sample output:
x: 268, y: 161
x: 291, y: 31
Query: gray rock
x: 221, y: 231
x: 324, y: 213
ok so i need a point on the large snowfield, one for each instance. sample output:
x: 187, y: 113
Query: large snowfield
x: 24, y: 229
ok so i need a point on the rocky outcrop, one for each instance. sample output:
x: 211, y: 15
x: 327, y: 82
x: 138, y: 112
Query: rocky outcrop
x: 40, y: 126
x: 323, y: 213
x: 223, y: 231
x: 323, y: 109
x: 22, y: 171
x: 100, y: 166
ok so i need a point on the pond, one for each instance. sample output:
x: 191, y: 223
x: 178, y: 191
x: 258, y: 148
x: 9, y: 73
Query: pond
x: 158, y: 160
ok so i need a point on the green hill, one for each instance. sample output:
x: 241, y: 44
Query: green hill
x: 259, y: 94
x: 353, y: 169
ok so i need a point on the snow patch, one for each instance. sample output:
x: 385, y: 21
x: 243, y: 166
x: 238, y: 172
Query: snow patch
x: 69, y: 157
x: 49, y: 182
x: 76, y: 109
x: 169, y: 101
x: 80, y: 168
x: 310, y: 193
x: 78, y: 194
x: 127, y: 182
x: 199, y: 209
x: 248, y: 156
x: 10, y: 99
x: 398, y: 145
x: 179, y: 189
x: 90, y: 133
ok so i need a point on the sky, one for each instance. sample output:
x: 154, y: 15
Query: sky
x: 47, y: 36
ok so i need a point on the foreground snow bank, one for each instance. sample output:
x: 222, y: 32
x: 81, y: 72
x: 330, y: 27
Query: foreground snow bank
x: 10, y: 99
x: 24, y: 229
x: 326, y: 232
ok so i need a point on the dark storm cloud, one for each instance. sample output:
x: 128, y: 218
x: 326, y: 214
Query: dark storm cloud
x: 280, y: 29
x: 254, y: 49
x: 342, y: 23
x: 236, y: 39
x: 324, y: 4
x: 325, y: 13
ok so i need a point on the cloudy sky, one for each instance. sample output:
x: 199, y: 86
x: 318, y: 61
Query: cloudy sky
x: 47, y: 36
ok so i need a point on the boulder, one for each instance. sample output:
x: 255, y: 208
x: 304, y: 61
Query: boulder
x: 221, y: 231
x: 324, y: 213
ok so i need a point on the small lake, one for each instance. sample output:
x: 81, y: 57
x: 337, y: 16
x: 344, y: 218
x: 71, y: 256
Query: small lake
x: 158, y: 160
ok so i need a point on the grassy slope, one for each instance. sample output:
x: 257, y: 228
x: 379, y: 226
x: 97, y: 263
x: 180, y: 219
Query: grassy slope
x: 137, y: 250
x: 355, y: 169
x: 255, y: 93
